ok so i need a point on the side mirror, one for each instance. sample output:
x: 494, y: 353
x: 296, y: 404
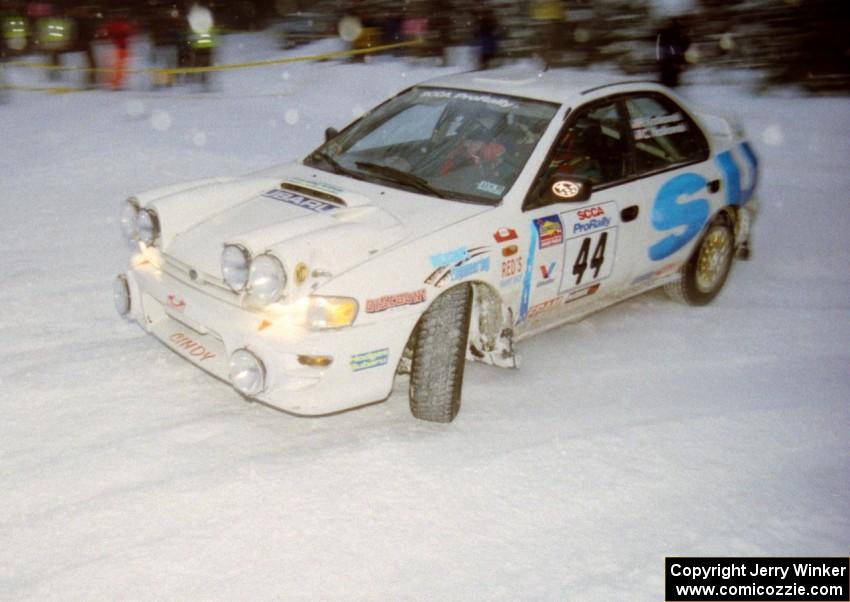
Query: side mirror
x: 330, y: 133
x: 565, y: 188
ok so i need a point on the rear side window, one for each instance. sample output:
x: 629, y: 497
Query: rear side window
x: 664, y: 135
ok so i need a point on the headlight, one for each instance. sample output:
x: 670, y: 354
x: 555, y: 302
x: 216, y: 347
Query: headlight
x: 247, y: 373
x: 235, y: 261
x: 330, y: 312
x: 266, y: 280
x: 129, y: 219
x: 148, y: 225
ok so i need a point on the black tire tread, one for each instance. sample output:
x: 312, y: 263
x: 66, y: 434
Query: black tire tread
x: 436, y: 377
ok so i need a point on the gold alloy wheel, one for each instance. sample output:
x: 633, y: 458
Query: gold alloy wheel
x: 713, y: 260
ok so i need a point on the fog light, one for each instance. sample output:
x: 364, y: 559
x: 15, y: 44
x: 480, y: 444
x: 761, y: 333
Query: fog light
x: 121, y: 294
x: 247, y: 373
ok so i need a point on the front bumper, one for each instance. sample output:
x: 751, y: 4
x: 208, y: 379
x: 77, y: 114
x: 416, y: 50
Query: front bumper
x: 206, y: 331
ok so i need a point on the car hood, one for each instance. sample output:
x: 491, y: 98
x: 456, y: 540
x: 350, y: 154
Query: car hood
x: 327, y: 222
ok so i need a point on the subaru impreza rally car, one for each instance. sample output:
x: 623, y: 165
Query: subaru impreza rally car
x: 453, y: 220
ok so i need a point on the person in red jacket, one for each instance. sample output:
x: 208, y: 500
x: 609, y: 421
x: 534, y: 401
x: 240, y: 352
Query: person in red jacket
x: 119, y: 30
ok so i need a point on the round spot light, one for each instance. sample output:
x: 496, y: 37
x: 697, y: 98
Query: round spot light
x: 247, y: 373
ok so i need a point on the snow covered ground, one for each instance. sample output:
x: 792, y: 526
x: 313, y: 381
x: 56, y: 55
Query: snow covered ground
x: 647, y: 430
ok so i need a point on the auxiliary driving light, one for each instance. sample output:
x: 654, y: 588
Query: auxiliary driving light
x: 247, y: 373
x: 121, y: 294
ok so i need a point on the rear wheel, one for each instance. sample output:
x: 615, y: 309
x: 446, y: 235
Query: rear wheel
x: 439, y: 351
x: 704, y: 274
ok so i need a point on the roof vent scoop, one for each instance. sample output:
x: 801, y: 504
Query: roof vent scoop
x: 312, y: 192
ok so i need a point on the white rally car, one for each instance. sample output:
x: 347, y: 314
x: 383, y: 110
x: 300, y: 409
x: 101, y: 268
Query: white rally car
x: 451, y: 221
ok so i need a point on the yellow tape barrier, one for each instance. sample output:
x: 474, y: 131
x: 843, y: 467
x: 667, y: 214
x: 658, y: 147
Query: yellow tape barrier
x: 228, y: 67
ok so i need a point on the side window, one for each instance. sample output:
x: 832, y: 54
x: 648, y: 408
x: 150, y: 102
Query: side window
x: 594, y: 146
x: 664, y: 135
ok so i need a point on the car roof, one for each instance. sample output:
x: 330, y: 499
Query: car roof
x: 562, y: 86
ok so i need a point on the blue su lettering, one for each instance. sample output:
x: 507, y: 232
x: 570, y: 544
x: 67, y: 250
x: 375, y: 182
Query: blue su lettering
x: 668, y: 213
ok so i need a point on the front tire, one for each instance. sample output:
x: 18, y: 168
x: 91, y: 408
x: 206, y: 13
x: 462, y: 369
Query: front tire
x: 436, y: 376
x: 706, y: 271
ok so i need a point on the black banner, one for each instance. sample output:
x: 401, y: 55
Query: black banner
x: 757, y: 579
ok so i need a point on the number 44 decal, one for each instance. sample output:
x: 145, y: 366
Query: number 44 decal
x: 591, y: 258
x: 596, y: 262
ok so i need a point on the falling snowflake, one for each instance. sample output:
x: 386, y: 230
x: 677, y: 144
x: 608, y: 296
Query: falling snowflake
x: 773, y: 135
x: 160, y: 120
x: 291, y: 116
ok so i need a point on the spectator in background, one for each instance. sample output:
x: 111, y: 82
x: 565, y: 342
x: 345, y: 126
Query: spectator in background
x: 119, y: 30
x: 55, y: 34
x: 486, y: 38
x: 671, y: 44
x: 166, y: 33
x: 87, y: 27
x: 202, y: 41
x: 548, y: 15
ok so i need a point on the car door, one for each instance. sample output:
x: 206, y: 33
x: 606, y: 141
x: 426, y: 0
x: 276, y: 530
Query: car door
x: 679, y: 183
x: 579, y: 252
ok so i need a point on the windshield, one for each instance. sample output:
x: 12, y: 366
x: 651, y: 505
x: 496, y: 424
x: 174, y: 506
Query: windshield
x: 447, y: 143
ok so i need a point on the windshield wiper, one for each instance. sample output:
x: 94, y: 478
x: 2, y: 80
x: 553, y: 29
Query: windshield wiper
x: 401, y: 177
x: 335, y: 166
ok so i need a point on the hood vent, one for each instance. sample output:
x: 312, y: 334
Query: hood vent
x: 316, y: 194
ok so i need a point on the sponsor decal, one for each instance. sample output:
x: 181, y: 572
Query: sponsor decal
x: 510, y: 250
x: 456, y: 95
x: 511, y: 267
x: 680, y: 209
x: 458, y: 264
x: 565, y: 189
x: 390, y: 301
x: 562, y: 300
x: 175, y: 303
x: 504, y: 234
x: 468, y: 269
x: 590, y: 219
x: 656, y: 132
x: 550, y: 231
x: 654, y: 127
x: 526, y: 278
x: 736, y: 191
x: 440, y: 260
x: 547, y: 271
x: 590, y: 249
x: 300, y: 201
x: 185, y: 343
x: 490, y: 188
x: 511, y: 272
x: 370, y: 359
x: 663, y: 271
